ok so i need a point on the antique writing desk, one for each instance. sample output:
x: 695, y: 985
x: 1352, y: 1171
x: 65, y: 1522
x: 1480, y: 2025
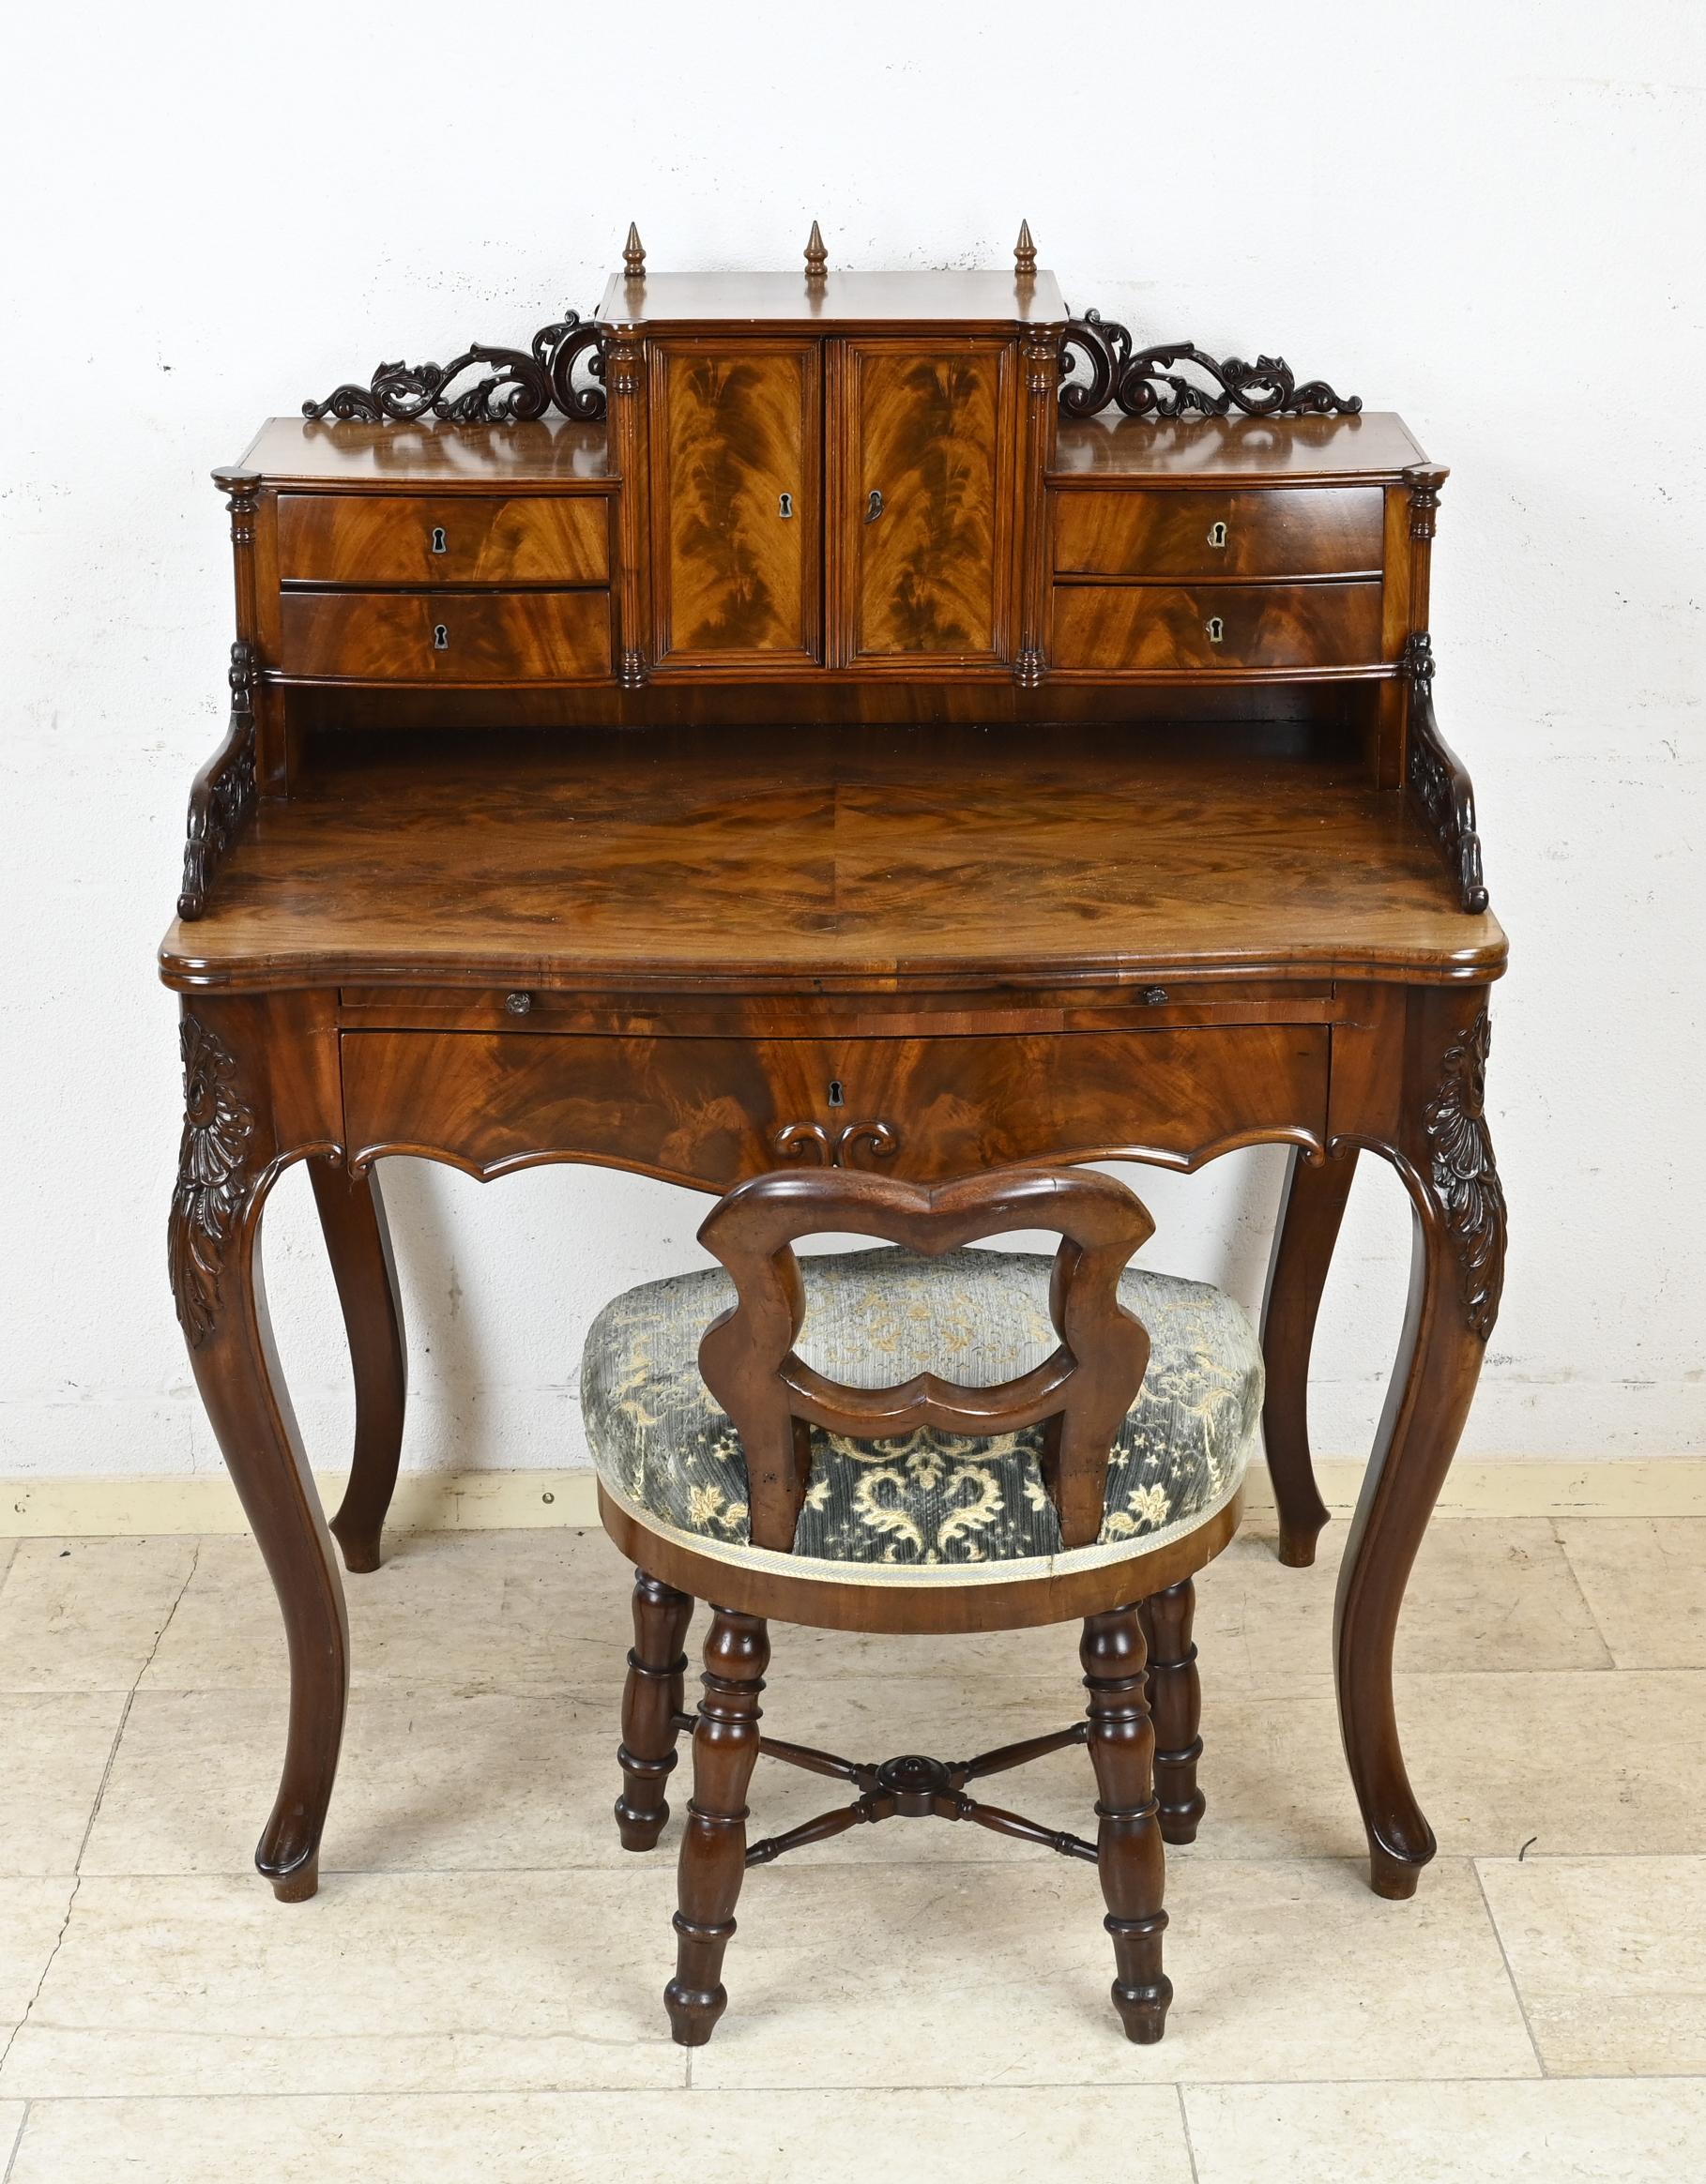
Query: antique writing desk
x: 865, y: 719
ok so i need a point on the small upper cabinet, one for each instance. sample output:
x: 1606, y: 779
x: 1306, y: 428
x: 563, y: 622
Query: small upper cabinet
x: 924, y: 433
x: 737, y: 510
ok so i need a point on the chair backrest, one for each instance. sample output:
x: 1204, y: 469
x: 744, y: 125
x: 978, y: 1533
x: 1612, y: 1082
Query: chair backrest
x: 1079, y: 1395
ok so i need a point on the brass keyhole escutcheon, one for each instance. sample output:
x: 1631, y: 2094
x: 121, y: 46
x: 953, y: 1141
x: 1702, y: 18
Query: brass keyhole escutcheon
x: 1216, y: 629
x: 1217, y: 534
x: 441, y: 638
x: 788, y: 506
x: 873, y: 506
x: 440, y: 543
x: 838, y: 1097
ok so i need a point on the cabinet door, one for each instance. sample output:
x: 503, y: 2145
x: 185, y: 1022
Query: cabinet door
x: 737, y: 513
x: 924, y: 526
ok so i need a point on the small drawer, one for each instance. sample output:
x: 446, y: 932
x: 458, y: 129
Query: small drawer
x: 450, y: 637
x: 463, y: 538
x: 1135, y: 628
x: 1284, y: 531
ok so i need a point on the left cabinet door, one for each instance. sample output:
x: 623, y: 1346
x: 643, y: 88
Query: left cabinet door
x: 737, y: 512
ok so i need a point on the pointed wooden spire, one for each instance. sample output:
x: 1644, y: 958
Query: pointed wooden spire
x: 816, y: 257
x: 634, y: 253
x: 1025, y: 253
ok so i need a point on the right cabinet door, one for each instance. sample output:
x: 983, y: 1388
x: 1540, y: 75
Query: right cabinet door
x: 924, y: 433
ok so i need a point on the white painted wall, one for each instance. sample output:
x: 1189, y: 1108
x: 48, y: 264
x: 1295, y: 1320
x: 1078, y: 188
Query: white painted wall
x: 1485, y: 215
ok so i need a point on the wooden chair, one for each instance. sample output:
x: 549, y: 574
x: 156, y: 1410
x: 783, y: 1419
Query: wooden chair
x: 1090, y: 1483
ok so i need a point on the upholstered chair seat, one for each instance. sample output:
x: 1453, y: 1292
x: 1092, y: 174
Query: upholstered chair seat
x: 664, y: 1448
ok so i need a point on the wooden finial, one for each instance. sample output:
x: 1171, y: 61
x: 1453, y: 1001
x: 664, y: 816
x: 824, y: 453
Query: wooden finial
x: 1025, y: 253
x: 634, y: 253
x: 817, y: 258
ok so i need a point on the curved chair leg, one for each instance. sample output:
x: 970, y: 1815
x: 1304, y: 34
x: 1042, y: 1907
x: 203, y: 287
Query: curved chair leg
x: 1311, y: 1210
x: 1129, y: 1856
x: 359, y: 1244
x: 651, y: 1701
x: 1174, y: 1692
x: 713, y: 1847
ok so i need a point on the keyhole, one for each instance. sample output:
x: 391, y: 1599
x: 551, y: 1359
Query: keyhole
x: 873, y: 506
x: 439, y: 543
x: 1217, y: 534
x: 787, y: 503
x: 441, y: 638
x: 838, y: 1097
x: 1217, y: 630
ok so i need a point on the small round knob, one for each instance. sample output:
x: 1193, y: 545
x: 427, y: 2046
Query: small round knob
x: 518, y: 1004
x: 1155, y: 997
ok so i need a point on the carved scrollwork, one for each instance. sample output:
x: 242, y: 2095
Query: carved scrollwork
x: 212, y: 1178
x: 523, y: 387
x: 222, y: 794
x: 1466, y: 1175
x: 793, y: 1138
x: 1145, y: 384
x: 1439, y: 779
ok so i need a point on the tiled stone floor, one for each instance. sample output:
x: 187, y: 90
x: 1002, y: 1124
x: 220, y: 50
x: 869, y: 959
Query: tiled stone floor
x: 475, y: 1994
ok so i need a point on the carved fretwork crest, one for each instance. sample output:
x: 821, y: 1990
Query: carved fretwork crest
x: 212, y: 1178
x: 1147, y: 382
x: 1466, y: 1175
x: 523, y: 384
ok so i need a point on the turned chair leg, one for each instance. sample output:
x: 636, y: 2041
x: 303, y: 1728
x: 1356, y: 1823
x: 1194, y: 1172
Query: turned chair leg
x: 1129, y: 1855
x: 651, y: 1701
x: 1174, y: 1692
x: 713, y: 1847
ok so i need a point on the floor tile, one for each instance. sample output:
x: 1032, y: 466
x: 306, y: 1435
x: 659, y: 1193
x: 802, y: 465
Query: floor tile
x: 1645, y: 1580
x: 482, y: 1611
x: 422, y: 1982
x: 85, y: 1615
x: 1487, y: 1593
x: 54, y: 1751
x: 11, y: 2127
x: 7, y: 1549
x: 32, y: 1911
x: 1496, y: 1760
x: 965, y: 1976
x: 1582, y: 2132
x: 1020, y: 2137
x: 1609, y: 1957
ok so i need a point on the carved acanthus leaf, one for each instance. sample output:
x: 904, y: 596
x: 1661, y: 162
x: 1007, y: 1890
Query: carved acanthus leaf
x: 523, y: 387
x: 1147, y: 384
x: 1466, y: 1175
x: 222, y: 794
x: 1438, y: 781
x: 212, y: 1178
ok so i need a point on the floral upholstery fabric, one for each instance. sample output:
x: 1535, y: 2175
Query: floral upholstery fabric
x: 664, y: 1446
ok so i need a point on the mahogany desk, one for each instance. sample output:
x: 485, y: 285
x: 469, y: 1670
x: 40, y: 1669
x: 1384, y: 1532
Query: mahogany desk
x: 616, y: 788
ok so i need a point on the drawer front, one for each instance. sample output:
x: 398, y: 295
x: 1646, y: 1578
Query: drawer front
x: 1127, y: 628
x: 453, y: 637
x: 711, y: 1110
x: 351, y: 538
x: 1287, y: 531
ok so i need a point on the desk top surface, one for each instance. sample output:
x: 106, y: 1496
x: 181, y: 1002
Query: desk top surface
x: 816, y: 858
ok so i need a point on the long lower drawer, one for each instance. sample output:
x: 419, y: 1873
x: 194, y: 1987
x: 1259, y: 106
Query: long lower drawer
x: 1139, y: 628
x: 449, y: 637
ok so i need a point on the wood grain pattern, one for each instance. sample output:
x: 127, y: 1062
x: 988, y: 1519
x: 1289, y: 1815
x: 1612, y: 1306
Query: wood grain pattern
x: 1375, y: 445
x: 922, y: 564
x: 427, y: 540
x: 837, y: 858
x: 1128, y: 628
x: 844, y: 300
x: 736, y: 430
x: 478, y: 459
x: 1284, y: 531
x: 707, y: 1111
x: 489, y: 637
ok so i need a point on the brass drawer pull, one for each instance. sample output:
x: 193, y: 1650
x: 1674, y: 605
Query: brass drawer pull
x: 1217, y: 534
x: 518, y: 1004
x: 441, y: 638
x: 1216, y: 629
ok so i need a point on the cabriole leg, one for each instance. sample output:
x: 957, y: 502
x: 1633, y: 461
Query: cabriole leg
x: 651, y: 1701
x: 1312, y: 1205
x: 359, y: 1244
x: 713, y: 1847
x: 1129, y: 1857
